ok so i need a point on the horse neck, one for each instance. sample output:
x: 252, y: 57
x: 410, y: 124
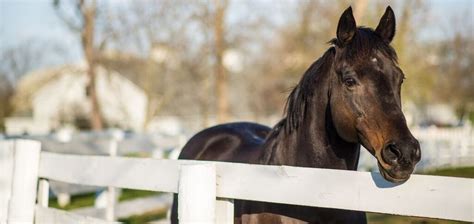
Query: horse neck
x: 307, y: 136
x: 315, y: 144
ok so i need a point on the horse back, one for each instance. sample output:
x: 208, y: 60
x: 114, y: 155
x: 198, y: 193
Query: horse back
x: 232, y: 142
x: 243, y: 142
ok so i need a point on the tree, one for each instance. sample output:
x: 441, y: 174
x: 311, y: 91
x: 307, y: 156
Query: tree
x: 19, y: 59
x: 85, y: 25
x: 455, y: 78
x: 162, y: 35
x: 292, y: 47
x: 6, y: 92
x: 220, y: 71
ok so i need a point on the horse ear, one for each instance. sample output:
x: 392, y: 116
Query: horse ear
x: 386, y: 27
x: 346, y: 28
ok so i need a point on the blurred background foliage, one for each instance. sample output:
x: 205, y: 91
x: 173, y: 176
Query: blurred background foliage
x: 238, y: 59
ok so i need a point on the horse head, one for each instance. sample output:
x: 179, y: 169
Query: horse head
x: 365, y: 97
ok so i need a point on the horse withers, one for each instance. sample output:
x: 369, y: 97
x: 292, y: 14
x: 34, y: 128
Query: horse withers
x: 347, y: 98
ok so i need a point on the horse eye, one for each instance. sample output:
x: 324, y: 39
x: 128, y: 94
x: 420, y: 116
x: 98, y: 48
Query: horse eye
x: 350, y: 82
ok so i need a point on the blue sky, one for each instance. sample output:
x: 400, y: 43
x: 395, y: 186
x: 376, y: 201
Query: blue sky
x: 26, y: 20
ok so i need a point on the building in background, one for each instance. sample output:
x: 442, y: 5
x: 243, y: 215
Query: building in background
x: 55, y: 98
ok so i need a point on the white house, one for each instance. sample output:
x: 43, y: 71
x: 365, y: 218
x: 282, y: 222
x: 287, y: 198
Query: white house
x: 50, y: 99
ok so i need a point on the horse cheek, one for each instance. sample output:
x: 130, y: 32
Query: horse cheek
x: 344, y: 123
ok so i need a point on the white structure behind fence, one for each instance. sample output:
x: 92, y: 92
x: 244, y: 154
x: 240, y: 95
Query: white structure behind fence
x: 219, y: 183
x: 446, y: 147
x: 440, y: 148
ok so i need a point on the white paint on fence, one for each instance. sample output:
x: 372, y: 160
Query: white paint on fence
x: 197, y: 194
x: 224, y: 210
x: 25, y: 177
x: 131, y: 207
x: 43, y: 193
x: 111, y: 192
x: 55, y: 216
x: 421, y: 195
x: 425, y: 196
x: 442, y: 147
x: 121, y: 172
x: 6, y: 176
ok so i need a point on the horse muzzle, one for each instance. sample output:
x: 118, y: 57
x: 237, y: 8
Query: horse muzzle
x: 398, y: 159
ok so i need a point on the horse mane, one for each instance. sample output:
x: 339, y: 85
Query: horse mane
x: 363, y: 44
x: 301, y: 96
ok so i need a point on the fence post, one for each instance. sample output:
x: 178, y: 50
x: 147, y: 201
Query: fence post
x: 25, y: 178
x: 6, y: 175
x: 224, y: 210
x: 43, y: 193
x: 197, y: 193
x: 111, y: 198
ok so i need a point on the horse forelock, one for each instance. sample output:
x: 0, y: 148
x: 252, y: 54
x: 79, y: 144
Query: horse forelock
x: 364, y: 43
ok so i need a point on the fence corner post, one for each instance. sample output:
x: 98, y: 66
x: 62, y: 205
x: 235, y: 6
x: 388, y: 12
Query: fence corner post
x: 21, y: 207
x: 224, y: 210
x: 111, y: 191
x: 197, y: 193
x: 43, y: 193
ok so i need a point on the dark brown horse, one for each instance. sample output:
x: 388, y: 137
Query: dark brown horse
x: 348, y: 97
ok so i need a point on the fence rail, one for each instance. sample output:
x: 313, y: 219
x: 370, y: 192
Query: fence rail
x: 423, y: 196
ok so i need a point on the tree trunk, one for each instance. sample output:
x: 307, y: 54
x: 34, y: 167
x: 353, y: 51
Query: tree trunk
x: 220, y: 72
x: 89, y: 11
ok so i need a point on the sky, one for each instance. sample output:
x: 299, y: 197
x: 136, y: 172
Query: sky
x: 27, y: 20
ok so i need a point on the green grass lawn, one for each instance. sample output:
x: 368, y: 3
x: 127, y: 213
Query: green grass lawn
x: 77, y: 201
x: 87, y: 200
x: 144, y: 218
x: 466, y: 172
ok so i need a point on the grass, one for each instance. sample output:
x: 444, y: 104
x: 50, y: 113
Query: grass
x: 128, y: 194
x: 146, y: 217
x: 375, y: 218
x: 77, y: 201
x: 87, y: 200
x: 466, y: 172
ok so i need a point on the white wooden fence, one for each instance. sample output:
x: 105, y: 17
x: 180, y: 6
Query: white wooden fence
x: 206, y: 189
x: 440, y: 148
x: 446, y: 147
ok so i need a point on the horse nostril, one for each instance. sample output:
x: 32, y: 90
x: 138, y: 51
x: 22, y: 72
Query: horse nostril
x: 392, y: 153
x: 394, y: 149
